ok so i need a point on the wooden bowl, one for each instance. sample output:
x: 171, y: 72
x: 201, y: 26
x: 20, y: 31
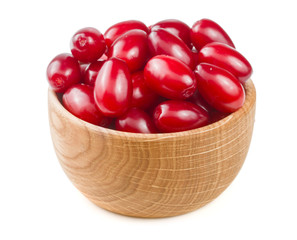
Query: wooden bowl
x: 152, y: 175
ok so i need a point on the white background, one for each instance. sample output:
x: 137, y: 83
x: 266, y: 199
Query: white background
x: 37, y: 201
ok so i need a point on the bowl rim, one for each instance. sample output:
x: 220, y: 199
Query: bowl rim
x: 250, y: 100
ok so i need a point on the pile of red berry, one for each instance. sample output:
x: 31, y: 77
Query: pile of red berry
x: 167, y: 77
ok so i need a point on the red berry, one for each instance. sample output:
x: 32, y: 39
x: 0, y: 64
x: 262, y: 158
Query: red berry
x: 92, y: 72
x: 83, y: 68
x: 132, y: 47
x: 216, y: 116
x: 113, y: 88
x: 200, y: 101
x: 63, y: 72
x: 219, y: 88
x: 182, y: 77
x: 135, y: 120
x: 170, y: 77
x: 195, y: 55
x: 226, y: 57
x: 142, y: 97
x: 87, y: 45
x: 176, y: 116
x: 103, y: 57
x: 207, y: 31
x: 120, y: 28
x: 177, y: 28
x: 163, y: 42
x: 79, y: 100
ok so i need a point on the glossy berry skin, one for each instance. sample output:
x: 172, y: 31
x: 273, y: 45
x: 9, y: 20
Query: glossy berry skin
x: 169, y: 77
x: 226, y: 57
x: 113, y: 88
x: 150, y: 110
x: 162, y: 42
x: 142, y: 96
x: 83, y: 68
x: 176, y: 116
x: 87, y: 45
x: 92, y: 72
x: 219, y: 88
x: 132, y: 47
x: 79, y: 100
x: 120, y: 28
x: 207, y: 31
x: 214, y: 114
x: 135, y: 120
x: 103, y: 57
x: 177, y: 28
x: 62, y: 72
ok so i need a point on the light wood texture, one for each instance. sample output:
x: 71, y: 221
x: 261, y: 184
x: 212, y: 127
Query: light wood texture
x: 152, y: 175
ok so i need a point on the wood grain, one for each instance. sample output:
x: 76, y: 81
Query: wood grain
x: 152, y: 175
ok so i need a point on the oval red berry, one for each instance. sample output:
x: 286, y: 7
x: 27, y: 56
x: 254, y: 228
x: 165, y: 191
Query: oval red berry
x: 79, y: 100
x: 177, y: 28
x: 226, y: 57
x: 163, y: 42
x: 132, y: 47
x: 207, y: 31
x: 219, y: 88
x: 176, y: 116
x: 113, y: 88
x: 170, y: 77
x: 135, y: 120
